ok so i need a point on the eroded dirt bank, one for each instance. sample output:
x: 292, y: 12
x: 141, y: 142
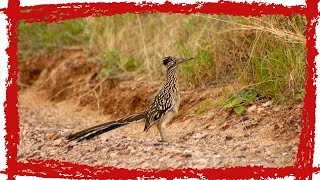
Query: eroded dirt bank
x: 62, y: 95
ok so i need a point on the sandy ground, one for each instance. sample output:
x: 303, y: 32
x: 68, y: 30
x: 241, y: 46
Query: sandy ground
x: 198, y: 141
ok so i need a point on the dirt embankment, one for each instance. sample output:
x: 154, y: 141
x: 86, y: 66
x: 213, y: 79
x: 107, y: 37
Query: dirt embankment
x: 63, y: 94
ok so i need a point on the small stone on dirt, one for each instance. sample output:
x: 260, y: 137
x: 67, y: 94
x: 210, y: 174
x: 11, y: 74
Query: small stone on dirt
x: 244, y: 118
x: 260, y: 110
x: 201, y: 163
x: 113, y: 155
x: 251, y: 109
x: 243, y: 148
x: 228, y: 138
x: 57, y: 142
x: 277, y: 108
x: 266, y: 104
x: 199, y: 136
x: 187, y: 153
x: 247, y: 134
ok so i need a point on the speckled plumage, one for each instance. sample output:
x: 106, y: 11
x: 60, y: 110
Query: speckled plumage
x: 163, y: 108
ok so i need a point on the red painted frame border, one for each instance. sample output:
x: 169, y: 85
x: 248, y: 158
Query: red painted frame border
x: 56, y: 169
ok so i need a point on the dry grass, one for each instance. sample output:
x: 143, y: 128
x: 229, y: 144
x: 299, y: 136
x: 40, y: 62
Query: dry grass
x: 266, y: 53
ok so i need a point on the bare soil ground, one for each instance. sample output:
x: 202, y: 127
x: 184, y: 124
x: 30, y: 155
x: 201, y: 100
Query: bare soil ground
x: 62, y: 95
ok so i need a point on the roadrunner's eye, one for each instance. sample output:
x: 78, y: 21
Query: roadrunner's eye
x: 166, y: 60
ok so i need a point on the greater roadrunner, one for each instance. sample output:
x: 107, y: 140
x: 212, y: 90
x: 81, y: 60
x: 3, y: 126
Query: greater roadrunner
x: 163, y: 108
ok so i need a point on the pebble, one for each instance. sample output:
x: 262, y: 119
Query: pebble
x: 113, y: 155
x: 244, y: 148
x: 252, y: 109
x: 244, y: 118
x: 197, y: 154
x: 163, y: 166
x: 201, y: 163
x: 174, y: 151
x: 230, y: 143
x: 228, y: 138
x: 260, y: 109
x: 57, y: 142
x: 147, y: 149
x: 266, y: 104
x: 199, y: 136
x: 132, y: 151
x: 187, y: 153
x: 277, y: 108
x: 247, y: 134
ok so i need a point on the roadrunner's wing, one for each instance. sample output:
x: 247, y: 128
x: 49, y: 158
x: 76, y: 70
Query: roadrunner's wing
x: 160, y: 106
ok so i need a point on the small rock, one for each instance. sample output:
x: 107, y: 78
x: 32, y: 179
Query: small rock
x: 57, y: 142
x: 69, y: 147
x: 251, y: 109
x: 276, y: 127
x: 247, y: 134
x: 241, y: 156
x: 217, y: 156
x: 132, y: 151
x: 225, y: 126
x: 187, y: 153
x: 174, y: 151
x: 199, y: 136
x: 157, y: 144
x: 201, y: 163
x: 243, y: 148
x: 206, y: 126
x: 260, y: 110
x: 230, y: 143
x: 198, y: 154
x: 266, y: 104
x: 163, y: 166
x: 146, y: 149
x: 277, y: 108
x: 244, y: 118
x: 228, y: 138
x: 113, y: 155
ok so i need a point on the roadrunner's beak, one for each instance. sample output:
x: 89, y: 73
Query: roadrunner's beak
x: 183, y: 60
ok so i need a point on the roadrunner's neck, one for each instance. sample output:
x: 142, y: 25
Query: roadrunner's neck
x: 171, y: 78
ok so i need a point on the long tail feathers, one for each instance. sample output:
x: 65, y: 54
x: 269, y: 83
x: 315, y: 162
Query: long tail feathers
x: 105, y: 127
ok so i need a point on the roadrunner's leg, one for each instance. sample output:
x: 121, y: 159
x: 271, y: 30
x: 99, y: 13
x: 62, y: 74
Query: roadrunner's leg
x: 163, y: 124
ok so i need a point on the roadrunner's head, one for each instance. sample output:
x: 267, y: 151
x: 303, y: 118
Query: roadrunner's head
x: 171, y: 62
